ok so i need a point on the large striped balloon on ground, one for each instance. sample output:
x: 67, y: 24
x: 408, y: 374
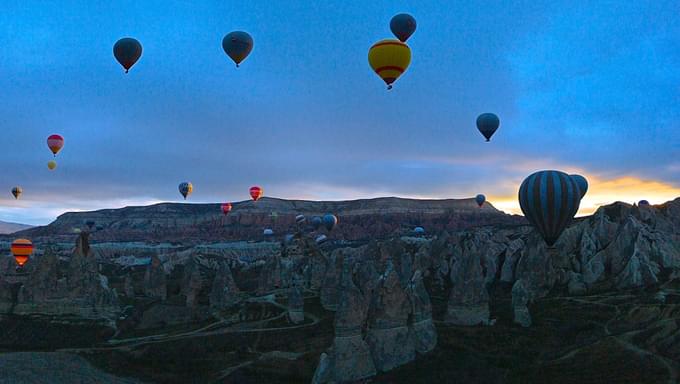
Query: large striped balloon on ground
x: 21, y: 250
x: 549, y: 200
x: 389, y: 58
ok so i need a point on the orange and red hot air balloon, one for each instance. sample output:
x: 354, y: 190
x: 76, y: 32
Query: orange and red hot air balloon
x: 226, y: 208
x: 21, y: 250
x: 55, y: 142
x: 256, y: 193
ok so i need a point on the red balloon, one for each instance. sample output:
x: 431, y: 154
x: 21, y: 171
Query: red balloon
x: 256, y: 192
x: 55, y: 142
x: 226, y: 208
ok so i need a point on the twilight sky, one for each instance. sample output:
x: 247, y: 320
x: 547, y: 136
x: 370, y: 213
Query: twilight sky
x: 591, y: 89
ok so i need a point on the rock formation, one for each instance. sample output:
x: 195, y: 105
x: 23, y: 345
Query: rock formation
x: 155, y: 284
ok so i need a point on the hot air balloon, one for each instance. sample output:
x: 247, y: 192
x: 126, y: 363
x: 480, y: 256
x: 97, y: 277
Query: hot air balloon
x: 299, y: 219
x: 480, y: 199
x: 90, y: 224
x: 403, y: 25
x: 185, y: 189
x: 643, y: 202
x: 389, y: 58
x: 316, y: 222
x: 488, y: 123
x: 321, y: 239
x: 55, y: 143
x: 419, y: 230
x: 549, y: 200
x: 268, y: 232
x: 51, y: 165
x: 127, y: 51
x: 256, y: 193
x: 582, y: 183
x: 288, y: 238
x: 17, y: 191
x: 226, y: 208
x: 237, y: 45
x: 21, y: 250
x: 329, y: 221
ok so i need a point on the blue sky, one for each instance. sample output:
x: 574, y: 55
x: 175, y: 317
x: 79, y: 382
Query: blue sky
x: 593, y: 89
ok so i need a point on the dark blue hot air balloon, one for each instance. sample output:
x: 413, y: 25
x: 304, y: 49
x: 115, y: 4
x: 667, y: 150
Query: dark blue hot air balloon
x: 480, y: 199
x: 127, y: 51
x: 549, y: 200
x: 582, y: 183
x: 329, y: 221
x: 237, y: 45
x: 488, y: 123
x: 419, y: 230
x: 316, y: 222
x: 643, y: 202
x: 403, y: 25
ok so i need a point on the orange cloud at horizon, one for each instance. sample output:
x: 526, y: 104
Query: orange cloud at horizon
x: 601, y: 192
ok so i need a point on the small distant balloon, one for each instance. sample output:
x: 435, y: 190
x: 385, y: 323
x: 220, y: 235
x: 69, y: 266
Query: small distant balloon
x: 403, y: 25
x: 643, y: 202
x: 51, y: 165
x: 419, y: 230
x: 127, y: 51
x: 288, y: 238
x: 582, y: 184
x: 226, y: 208
x: 321, y: 239
x: 186, y: 188
x: 480, y: 199
x: 237, y: 45
x: 329, y: 221
x: 90, y: 224
x: 17, y: 191
x: 488, y: 123
x: 316, y: 222
x: 299, y: 219
x: 389, y: 59
x: 21, y: 250
x: 256, y: 193
x: 55, y: 143
x: 268, y: 232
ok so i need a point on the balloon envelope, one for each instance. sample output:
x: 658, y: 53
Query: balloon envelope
x: 480, y: 199
x: 419, y: 230
x: 403, y: 25
x: 256, y: 193
x: 237, y: 45
x: 329, y: 221
x: 643, y: 202
x: 226, y: 208
x: 185, y: 189
x: 300, y: 219
x: 90, y: 223
x: 268, y: 232
x: 389, y: 58
x: 51, y: 165
x: 582, y: 184
x: 55, y: 143
x: 549, y: 200
x: 316, y: 222
x: 127, y: 51
x: 21, y: 250
x: 17, y: 191
x: 488, y: 123
x: 321, y: 239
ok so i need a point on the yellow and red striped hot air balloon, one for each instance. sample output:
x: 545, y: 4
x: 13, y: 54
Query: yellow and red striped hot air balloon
x: 389, y: 58
x: 21, y: 250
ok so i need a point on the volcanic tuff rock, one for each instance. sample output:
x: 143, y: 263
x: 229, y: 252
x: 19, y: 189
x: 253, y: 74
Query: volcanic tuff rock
x: 155, y: 284
x: 224, y: 291
x: 360, y: 219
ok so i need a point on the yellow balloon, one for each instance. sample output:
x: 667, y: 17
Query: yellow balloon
x: 389, y: 58
x: 51, y: 164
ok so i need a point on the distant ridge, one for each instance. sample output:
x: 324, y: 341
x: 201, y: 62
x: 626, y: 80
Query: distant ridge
x: 8, y: 228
